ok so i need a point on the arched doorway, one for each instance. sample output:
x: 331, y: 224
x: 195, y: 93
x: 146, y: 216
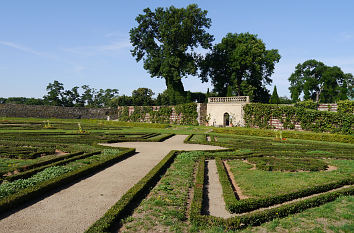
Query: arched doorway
x: 226, y: 119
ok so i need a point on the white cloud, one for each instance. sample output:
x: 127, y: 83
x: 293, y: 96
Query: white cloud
x: 21, y: 48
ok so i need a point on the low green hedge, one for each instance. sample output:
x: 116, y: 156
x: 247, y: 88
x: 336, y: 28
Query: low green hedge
x: 287, y: 134
x: 257, y: 217
x: 228, y: 192
x: 250, y: 204
x: 32, y: 193
x: 197, y: 202
x: 144, y: 139
x: 28, y: 173
x: 135, y: 194
x: 42, y: 163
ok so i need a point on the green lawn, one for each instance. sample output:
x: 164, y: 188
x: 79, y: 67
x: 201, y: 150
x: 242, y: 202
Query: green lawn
x: 260, y: 183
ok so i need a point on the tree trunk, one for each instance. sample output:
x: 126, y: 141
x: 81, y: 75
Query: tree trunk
x: 175, y: 90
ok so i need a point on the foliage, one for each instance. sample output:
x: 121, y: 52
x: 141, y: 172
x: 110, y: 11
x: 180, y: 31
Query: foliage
x: 319, y: 121
x: 308, y: 104
x: 142, y: 97
x: 165, y: 39
x: 188, y: 113
x: 345, y: 106
x: 288, y: 164
x: 9, y: 188
x: 274, y: 99
x: 242, y: 62
x: 58, y: 96
x: 320, y: 83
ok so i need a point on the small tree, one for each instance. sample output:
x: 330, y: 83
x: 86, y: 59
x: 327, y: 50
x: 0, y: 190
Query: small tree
x: 274, y: 99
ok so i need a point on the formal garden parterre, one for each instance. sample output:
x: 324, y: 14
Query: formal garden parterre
x: 280, y: 178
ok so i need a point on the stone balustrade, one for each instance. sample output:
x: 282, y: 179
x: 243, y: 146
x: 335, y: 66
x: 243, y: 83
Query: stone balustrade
x: 232, y: 99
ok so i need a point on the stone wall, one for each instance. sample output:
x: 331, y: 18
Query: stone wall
x: 44, y: 111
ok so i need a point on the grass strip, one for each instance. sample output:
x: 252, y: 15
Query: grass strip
x: 39, y: 190
x: 125, y: 205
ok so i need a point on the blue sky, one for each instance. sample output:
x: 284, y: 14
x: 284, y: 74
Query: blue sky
x: 87, y: 41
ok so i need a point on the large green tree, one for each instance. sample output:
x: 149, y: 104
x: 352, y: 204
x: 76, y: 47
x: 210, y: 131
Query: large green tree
x: 318, y: 82
x: 242, y: 62
x: 142, y: 97
x: 165, y: 40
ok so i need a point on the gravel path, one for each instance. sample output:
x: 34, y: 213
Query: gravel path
x: 216, y: 201
x: 75, y: 208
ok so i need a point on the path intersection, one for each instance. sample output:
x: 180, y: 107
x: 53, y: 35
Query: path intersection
x: 77, y: 207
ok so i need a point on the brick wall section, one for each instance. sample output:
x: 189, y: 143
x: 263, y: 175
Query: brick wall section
x: 278, y: 125
x: 43, y: 111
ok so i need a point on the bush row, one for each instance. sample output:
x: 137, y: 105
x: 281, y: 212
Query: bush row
x: 150, y: 138
x: 134, y: 195
x: 34, y: 192
x: 228, y: 192
x: 197, y: 202
x: 28, y: 173
x: 287, y: 134
x: 257, y: 217
x: 24, y: 152
x: 259, y: 115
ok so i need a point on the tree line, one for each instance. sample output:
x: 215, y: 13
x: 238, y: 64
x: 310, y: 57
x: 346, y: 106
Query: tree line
x: 166, y: 40
x: 85, y: 96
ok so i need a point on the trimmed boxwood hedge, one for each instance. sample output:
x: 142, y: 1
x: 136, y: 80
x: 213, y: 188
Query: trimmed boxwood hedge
x: 34, y: 192
x: 287, y: 134
x: 257, y: 217
x: 250, y: 204
x: 135, y: 194
x: 228, y: 192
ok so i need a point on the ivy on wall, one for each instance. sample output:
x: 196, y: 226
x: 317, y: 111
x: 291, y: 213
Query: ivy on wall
x: 345, y: 106
x: 259, y: 115
x: 187, y: 112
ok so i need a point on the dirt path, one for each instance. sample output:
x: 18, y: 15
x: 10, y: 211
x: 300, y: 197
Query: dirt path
x: 215, y: 198
x: 75, y: 208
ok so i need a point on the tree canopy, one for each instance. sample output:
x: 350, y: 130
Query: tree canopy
x: 242, y: 62
x: 320, y: 83
x: 165, y: 40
